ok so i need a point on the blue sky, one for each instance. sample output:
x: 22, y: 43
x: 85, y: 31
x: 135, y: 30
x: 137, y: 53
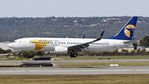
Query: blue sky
x: 69, y: 8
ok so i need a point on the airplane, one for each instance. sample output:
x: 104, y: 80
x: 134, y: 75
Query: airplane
x: 71, y: 46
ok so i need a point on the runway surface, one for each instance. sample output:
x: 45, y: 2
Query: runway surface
x: 77, y: 61
x: 75, y: 71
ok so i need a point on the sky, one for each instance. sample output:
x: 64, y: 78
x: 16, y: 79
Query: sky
x: 73, y: 8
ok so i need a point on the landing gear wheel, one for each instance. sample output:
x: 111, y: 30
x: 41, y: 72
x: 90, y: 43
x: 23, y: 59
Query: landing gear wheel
x: 73, y: 55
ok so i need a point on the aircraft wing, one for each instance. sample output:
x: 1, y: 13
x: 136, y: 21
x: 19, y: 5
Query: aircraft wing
x: 84, y: 45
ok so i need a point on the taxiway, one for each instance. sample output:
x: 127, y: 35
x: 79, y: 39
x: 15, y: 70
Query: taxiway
x: 74, y: 71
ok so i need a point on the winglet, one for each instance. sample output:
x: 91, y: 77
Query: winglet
x: 83, y: 36
x: 101, y: 35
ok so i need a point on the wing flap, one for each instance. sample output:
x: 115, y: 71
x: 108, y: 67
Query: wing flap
x: 84, y: 45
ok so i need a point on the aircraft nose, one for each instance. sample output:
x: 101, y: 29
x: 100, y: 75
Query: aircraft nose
x: 11, y: 45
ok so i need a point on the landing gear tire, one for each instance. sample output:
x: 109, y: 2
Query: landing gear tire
x: 72, y: 55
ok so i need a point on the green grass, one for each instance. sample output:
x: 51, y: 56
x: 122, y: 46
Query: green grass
x: 14, y: 59
x: 74, y: 79
x: 102, y: 57
x: 99, y: 64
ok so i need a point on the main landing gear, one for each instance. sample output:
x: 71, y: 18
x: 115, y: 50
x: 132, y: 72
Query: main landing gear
x: 73, y: 54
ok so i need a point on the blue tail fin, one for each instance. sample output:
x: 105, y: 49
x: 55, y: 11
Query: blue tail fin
x: 127, y: 31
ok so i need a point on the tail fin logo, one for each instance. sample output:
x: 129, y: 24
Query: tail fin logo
x: 128, y: 28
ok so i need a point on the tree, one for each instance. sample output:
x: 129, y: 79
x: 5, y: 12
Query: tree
x: 27, y: 54
x: 5, y: 51
x: 145, y: 41
x: 40, y: 53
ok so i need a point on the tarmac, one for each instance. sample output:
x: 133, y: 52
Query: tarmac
x: 74, y: 71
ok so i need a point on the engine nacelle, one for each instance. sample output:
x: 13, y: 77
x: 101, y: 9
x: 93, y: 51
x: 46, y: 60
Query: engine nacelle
x: 61, y: 50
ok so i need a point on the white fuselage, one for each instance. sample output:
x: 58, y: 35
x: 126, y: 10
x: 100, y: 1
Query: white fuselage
x: 49, y: 44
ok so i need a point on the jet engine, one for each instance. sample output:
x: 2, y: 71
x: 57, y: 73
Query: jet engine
x: 61, y: 50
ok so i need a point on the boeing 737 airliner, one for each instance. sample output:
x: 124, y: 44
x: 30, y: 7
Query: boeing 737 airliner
x: 72, y: 46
